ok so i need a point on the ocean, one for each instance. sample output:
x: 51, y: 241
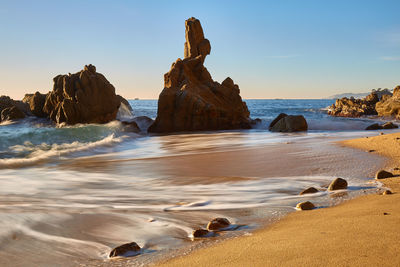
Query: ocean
x: 72, y: 193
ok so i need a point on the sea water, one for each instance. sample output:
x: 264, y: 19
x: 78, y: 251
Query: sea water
x: 71, y: 193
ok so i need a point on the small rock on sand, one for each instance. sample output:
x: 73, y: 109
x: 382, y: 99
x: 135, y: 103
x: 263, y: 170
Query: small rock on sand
x: 125, y: 250
x: 200, y: 233
x: 305, y: 206
x: 387, y: 192
x: 309, y: 190
x: 337, y: 184
x: 218, y: 224
x: 382, y: 174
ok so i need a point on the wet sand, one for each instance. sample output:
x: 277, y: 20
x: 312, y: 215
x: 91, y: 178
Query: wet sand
x: 360, y: 232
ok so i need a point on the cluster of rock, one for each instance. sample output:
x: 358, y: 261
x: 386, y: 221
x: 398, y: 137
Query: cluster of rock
x: 83, y: 97
x: 385, y: 126
x: 351, y: 107
x: 337, y: 184
x: 133, y: 249
x: 383, y: 105
x: 191, y: 100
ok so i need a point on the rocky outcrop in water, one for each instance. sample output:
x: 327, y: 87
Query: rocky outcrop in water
x: 125, y: 250
x: 288, y: 123
x: 389, y: 106
x: 36, y: 103
x: 13, y: 109
x: 83, y: 97
x: 191, y: 100
x: 351, y: 107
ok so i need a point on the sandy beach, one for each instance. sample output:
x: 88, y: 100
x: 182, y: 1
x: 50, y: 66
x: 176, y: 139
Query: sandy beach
x: 360, y: 232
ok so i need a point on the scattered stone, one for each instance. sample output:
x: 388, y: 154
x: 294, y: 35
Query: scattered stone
x: 84, y: 97
x: 191, y: 100
x: 396, y: 169
x: 385, y: 213
x: 218, y: 224
x: 143, y: 122
x: 288, y: 123
x: 12, y: 113
x: 337, y: 184
x: 125, y: 250
x: 309, y: 190
x: 381, y: 133
x: 382, y: 174
x: 371, y: 150
x: 339, y: 194
x: 387, y: 192
x: 305, y: 206
x: 200, y: 233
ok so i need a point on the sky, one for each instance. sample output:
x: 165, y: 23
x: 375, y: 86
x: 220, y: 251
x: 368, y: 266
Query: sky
x: 271, y: 49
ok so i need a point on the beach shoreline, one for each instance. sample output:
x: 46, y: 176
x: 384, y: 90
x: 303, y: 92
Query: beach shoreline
x: 358, y: 232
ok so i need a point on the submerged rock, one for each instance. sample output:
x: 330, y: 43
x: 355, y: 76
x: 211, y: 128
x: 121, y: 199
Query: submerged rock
x: 218, y: 224
x: 126, y: 250
x: 377, y: 126
x: 130, y: 126
x: 309, y: 190
x: 288, y: 123
x: 191, y: 100
x: 83, y: 97
x: 382, y: 174
x: 200, y: 233
x: 305, y: 206
x: 337, y: 184
x: 12, y: 113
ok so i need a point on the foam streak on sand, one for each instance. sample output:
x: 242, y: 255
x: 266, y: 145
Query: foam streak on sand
x: 361, y: 232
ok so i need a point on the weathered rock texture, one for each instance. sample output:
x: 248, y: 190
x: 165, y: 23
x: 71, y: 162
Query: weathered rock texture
x: 390, y: 106
x: 84, y: 97
x: 36, y: 103
x: 191, y: 100
x: 337, y: 184
x: 13, y: 109
x: 351, y: 107
x: 288, y: 123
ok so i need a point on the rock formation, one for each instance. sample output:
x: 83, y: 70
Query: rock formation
x: 84, y: 97
x: 382, y: 174
x: 386, y: 126
x: 288, y: 123
x: 337, y: 184
x: 36, y: 103
x: 390, y: 106
x: 191, y: 100
x: 218, y: 224
x: 13, y: 109
x: 125, y: 250
x: 351, y: 107
x: 305, y: 206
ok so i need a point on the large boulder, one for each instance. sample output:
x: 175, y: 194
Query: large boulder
x: 288, y: 123
x: 12, y: 113
x: 390, y: 106
x: 83, y: 97
x: 36, y: 103
x: 351, y: 107
x: 191, y: 100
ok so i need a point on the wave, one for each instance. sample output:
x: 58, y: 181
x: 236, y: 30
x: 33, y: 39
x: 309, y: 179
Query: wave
x: 45, y: 152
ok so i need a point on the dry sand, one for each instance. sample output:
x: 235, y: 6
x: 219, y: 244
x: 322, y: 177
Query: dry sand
x: 360, y: 232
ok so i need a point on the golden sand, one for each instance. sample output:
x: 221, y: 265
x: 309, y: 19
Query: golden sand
x: 361, y: 232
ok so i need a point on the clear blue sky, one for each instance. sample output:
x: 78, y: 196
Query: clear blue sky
x: 272, y: 49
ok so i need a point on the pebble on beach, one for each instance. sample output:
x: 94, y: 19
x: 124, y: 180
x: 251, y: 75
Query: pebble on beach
x: 218, y: 224
x: 200, y: 233
x: 309, y: 190
x: 337, y: 184
x: 387, y: 192
x: 305, y: 206
x: 125, y: 250
x: 382, y: 174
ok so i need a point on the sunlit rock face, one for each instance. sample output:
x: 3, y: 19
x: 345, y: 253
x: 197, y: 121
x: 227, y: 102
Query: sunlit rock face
x: 83, y: 97
x: 191, y: 100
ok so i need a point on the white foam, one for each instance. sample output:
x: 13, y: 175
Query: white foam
x: 45, y: 151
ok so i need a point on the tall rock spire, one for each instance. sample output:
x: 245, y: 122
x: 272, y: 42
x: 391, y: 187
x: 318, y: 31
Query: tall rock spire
x: 195, y: 44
